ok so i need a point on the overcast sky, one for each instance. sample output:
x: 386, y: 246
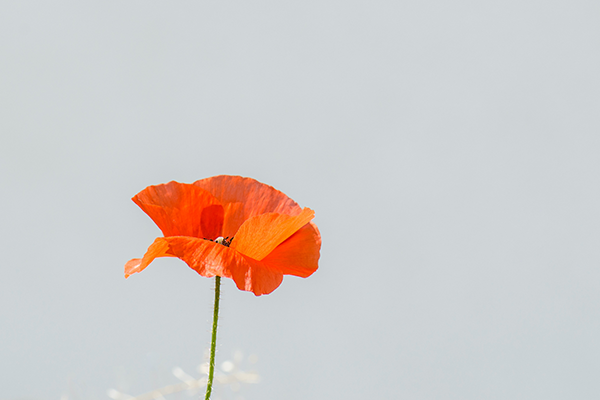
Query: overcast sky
x: 449, y: 149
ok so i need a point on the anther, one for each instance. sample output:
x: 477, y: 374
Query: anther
x: 225, y: 241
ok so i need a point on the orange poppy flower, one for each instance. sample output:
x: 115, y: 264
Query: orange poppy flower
x: 232, y: 227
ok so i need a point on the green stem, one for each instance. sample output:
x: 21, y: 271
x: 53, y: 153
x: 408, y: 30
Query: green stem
x: 213, y: 341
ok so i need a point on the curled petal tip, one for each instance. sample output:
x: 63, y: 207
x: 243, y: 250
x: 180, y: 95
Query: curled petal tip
x: 273, y: 235
x: 132, y: 266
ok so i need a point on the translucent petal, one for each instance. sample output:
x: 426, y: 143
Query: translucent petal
x: 181, y: 209
x: 260, y: 235
x: 243, y: 198
x: 299, y: 254
x: 210, y: 259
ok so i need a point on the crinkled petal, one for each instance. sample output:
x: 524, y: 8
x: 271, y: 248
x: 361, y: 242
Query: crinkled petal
x: 159, y: 248
x: 256, y: 277
x: 243, y: 198
x: 299, y: 254
x: 261, y: 234
x: 211, y: 221
x: 210, y: 259
x: 181, y: 209
x: 203, y: 256
x: 234, y: 213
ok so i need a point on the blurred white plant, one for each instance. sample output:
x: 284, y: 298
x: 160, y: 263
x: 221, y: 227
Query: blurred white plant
x: 229, y: 374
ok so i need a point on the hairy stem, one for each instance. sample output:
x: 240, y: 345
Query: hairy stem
x: 213, y: 341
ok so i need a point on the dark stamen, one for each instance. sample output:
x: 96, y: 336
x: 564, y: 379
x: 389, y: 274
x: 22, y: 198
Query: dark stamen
x: 225, y: 242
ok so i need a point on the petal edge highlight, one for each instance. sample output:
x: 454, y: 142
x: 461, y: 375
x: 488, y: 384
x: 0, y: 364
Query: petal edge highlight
x: 299, y: 254
x: 244, y: 198
x: 260, y: 235
x: 177, y: 208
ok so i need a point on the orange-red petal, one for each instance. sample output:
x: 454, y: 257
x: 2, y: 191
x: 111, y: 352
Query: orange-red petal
x: 209, y: 259
x: 299, y: 254
x: 211, y: 221
x: 203, y: 256
x: 182, y: 210
x: 243, y: 198
x: 159, y: 248
x: 256, y: 277
x: 261, y: 234
x: 273, y: 235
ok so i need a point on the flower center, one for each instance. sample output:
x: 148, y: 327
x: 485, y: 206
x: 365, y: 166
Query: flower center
x: 225, y: 241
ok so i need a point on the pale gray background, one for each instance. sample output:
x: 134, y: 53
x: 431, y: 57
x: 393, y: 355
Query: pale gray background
x: 449, y: 148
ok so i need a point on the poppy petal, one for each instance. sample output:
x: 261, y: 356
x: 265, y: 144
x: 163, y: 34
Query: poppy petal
x: 299, y: 254
x: 159, y: 248
x: 250, y: 198
x: 211, y: 222
x: 234, y: 213
x: 256, y: 277
x: 210, y: 259
x: 181, y: 209
x: 203, y: 256
x: 260, y: 235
